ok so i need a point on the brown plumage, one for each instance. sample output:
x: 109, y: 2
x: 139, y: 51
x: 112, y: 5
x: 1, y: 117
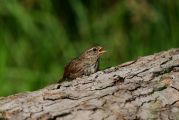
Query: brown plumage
x: 87, y: 63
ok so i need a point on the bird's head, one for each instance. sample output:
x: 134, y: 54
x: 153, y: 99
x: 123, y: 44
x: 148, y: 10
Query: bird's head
x: 94, y: 52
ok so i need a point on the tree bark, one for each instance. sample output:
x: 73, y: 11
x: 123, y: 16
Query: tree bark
x: 146, y: 88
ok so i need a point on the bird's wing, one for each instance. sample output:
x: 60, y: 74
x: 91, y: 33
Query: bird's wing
x: 73, y: 69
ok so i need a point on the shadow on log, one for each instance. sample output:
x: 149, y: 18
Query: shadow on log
x: 147, y: 88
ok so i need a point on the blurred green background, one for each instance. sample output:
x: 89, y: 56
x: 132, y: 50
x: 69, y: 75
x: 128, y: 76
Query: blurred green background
x: 38, y: 37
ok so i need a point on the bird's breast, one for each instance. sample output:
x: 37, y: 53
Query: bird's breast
x: 91, y: 68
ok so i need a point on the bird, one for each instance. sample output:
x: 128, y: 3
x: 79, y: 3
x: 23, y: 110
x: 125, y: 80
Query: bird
x: 86, y: 64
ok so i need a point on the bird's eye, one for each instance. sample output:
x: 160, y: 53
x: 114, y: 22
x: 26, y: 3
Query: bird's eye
x: 94, y: 49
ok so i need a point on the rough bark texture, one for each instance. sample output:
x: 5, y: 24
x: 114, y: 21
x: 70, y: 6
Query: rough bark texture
x: 147, y: 88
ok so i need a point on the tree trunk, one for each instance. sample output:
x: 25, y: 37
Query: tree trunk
x: 146, y: 88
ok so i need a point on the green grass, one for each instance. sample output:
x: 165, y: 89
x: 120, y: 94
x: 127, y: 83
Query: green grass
x: 37, y: 38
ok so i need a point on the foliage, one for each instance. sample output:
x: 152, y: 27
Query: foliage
x: 38, y: 37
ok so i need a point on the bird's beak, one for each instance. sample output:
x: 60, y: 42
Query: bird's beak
x: 101, y: 51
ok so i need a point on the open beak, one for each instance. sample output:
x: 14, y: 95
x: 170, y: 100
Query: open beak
x: 101, y: 51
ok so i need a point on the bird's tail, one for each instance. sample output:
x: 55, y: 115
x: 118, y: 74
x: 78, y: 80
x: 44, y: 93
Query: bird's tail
x: 60, y: 80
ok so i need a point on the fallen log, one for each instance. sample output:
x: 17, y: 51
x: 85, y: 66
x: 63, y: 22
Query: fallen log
x: 146, y: 88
